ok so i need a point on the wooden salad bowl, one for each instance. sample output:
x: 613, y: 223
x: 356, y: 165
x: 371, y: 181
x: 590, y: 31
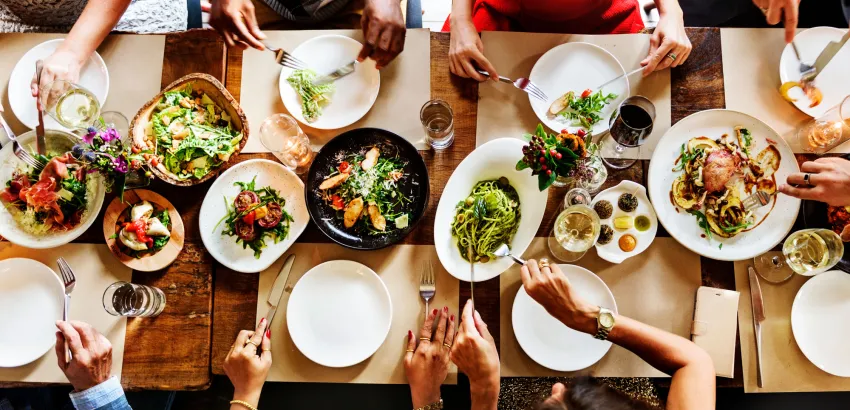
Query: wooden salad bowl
x: 222, y: 98
x: 158, y: 260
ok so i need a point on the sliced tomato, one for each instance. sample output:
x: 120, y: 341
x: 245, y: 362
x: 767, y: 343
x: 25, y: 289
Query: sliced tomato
x: 273, y: 216
x: 344, y: 167
x: 249, y: 217
x: 337, y: 202
x: 586, y: 93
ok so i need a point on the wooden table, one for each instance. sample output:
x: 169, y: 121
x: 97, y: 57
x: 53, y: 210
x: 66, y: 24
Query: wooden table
x: 209, y: 304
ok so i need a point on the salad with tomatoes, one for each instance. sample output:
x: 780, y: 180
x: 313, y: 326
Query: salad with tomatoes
x: 363, y: 190
x: 581, y: 109
x: 256, y: 215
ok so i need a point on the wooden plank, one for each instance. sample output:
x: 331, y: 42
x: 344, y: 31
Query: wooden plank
x: 697, y: 84
x: 193, y: 51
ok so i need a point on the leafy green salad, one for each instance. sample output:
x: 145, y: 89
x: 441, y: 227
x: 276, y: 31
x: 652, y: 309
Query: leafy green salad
x: 191, y: 134
x: 312, y: 96
x: 581, y: 109
x: 254, y: 215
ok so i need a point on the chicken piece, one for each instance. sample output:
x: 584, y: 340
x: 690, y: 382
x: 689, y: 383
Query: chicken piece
x: 378, y: 220
x: 719, y: 168
x: 371, y: 159
x: 353, y: 211
x: 333, y: 181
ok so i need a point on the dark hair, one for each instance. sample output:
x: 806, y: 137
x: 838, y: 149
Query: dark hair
x: 587, y: 393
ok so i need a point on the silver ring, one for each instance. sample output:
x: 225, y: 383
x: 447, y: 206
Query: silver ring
x: 671, y: 56
x: 807, y: 180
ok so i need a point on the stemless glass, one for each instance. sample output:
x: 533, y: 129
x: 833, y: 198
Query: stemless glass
x: 819, y: 135
x: 629, y: 127
x: 576, y: 228
x: 807, y: 252
x: 438, y: 120
x: 127, y: 299
x: 71, y: 105
x: 281, y: 135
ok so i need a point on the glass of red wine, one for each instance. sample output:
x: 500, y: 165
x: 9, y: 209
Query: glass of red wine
x: 629, y: 127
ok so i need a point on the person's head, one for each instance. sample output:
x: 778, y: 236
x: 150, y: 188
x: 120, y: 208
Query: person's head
x: 589, y: 394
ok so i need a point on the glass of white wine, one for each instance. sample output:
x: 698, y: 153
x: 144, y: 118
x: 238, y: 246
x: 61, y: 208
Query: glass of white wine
x: 576, y: 229
x: 71, y: 105
x: 807, y: 252
x: 281, y: 135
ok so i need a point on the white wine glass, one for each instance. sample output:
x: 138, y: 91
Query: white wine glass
x: 72, y: 106
x: 807, y: 252
x: 576, y: 228
x: 820, y: 135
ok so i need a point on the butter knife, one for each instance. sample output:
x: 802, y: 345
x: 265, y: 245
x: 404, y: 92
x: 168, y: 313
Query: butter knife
x: 336, y: 74
x: 471, y: 275
x: 281, y: 286
x: 828, y: 52
x: 39, y: 129
x: 758, y: 318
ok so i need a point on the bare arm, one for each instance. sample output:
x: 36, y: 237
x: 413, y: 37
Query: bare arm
x: 693, y: 381
x: 669, y: 45
x: 466, y: 51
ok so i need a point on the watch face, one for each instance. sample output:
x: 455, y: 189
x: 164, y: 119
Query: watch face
x: 606, y: 320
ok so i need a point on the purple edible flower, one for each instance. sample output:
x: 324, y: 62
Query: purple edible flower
x: 120, y: 165
x: 88, y: 138
x: 110, y: 135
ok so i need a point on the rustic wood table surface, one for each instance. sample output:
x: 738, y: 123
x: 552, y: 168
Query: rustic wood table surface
x: 209, y: 304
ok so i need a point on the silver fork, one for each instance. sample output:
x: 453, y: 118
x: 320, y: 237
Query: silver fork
x: 70, y: 280
x: 523, y: 84
x: 427, y: 284
x: 285, y: 59
x: 756, y: 200
x: 21, y: 153
x: 806, y: 71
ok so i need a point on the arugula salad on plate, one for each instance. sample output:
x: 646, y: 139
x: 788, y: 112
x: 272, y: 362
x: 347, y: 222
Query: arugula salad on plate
x: 254, y: 215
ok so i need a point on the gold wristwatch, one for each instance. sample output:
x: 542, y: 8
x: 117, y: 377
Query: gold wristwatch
x: 604, y: 323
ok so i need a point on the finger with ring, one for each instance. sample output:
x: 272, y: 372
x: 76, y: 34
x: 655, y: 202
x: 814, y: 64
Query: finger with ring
x: 671, y: 56
x: 807, y: 179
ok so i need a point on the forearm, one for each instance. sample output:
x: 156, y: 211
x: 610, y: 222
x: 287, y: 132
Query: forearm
x: 94, y: 24
x: 462, y: 11
x: 668, y: 6
x: 484, y: 398
x: 252, y: 398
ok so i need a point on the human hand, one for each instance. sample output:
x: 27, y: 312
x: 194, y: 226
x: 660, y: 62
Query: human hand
x: 61, y: 65
x: 552, y: 290
x: 237, y: 23
x: 774, y: 10
x: 474, y: 352
x: 427, y: 365
x: 383, y: 30
x: 91, y: 354
x: 466, y: 50
x: 245, y: 368
x: 830, y: 180
x: 668, y: 39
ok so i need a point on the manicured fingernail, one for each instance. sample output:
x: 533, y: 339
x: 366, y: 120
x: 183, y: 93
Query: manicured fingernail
x: 452, y: 318
x: 269, y: 333
x: 263, y: 320
x: 434, y: 312
x: 410, y: 334
x: 445, y: 309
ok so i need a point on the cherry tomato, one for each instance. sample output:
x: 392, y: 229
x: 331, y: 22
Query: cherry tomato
x: 344, y: 167
x: 138, y: 227
x: 338, y: 203
x: 249, y: 218
x: 586, y: 93
x: 581, y: 132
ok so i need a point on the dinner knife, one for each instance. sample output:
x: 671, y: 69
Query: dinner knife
x: 758, y: 318
x: 619, y: 77
x: 828, y: 52
x: 336, y: 74
x: 39, y: 129
x: 280, y: 285
x: 471, y: 275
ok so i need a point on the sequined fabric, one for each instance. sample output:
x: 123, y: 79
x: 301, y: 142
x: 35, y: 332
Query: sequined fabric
x: 58, y: 16
x: 521, y: 393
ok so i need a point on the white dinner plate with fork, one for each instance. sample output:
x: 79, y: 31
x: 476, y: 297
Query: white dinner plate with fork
x: 31, y: 301
x: 833, y: 81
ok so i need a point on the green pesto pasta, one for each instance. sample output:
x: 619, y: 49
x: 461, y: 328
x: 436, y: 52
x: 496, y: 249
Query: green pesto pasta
x: 487, y: 218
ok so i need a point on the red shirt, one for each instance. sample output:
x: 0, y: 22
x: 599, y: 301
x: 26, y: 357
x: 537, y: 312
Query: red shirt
x: 557, y: 16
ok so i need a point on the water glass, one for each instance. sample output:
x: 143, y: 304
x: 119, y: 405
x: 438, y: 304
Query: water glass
x: 127, y: 299
x: 281, y: 135
x: 629, y: 128
x: 71, y: 105
x: 438, y: 120
x: 826, y: 132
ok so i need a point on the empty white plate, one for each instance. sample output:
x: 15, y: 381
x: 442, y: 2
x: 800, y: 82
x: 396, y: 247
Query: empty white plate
x: 339, y: 313
x: 355, y: 93
x: 576, y: 67
x: 549, y: 342
x: 93, y: 77
x: 268, y: 174
x: 819, y: 321
x: 833, y: 81
x: 31, y: 301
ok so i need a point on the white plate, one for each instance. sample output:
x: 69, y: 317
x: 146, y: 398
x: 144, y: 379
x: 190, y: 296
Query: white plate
x: 833, y: 81
x: 576, y: 67
x: 611, y: 251
x: 224, y: 248
x: 93, y: 77
x: 31, y: 301
x: 11, y: 230
x: 492, y: 160
x: 549, y: 342
x: 355, y: 93
x: 682, y: 225
x: 339, y: 313
x: 818, y: 320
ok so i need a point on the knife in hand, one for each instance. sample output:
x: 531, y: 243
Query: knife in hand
x: 758, y: 318
x: 280, y: 285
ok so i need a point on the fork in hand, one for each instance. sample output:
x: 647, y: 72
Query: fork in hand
x: 69, y: 279
x: 285, y: 59
x: 427, y: 285
x: 523, y: 84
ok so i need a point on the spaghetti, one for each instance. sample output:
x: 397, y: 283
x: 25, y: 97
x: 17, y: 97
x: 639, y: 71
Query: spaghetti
x: 487, y: 218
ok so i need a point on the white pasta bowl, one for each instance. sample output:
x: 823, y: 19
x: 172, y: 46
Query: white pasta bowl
x: 492, y: 160
x: 11, y: 229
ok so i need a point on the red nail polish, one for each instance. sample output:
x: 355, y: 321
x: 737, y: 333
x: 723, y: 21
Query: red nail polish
x: 263, y: 320
x: 446, y: 309
x: 434, y: 312
x: 452, y: 318
x: 410, y: 334
x: 269, y: 333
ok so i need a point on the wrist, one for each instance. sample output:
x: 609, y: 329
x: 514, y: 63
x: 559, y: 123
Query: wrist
x: 581, y: 317
x: 484, y: 396
x: 422, y: 399
x: 249, y: 396
x: 77, y: 56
